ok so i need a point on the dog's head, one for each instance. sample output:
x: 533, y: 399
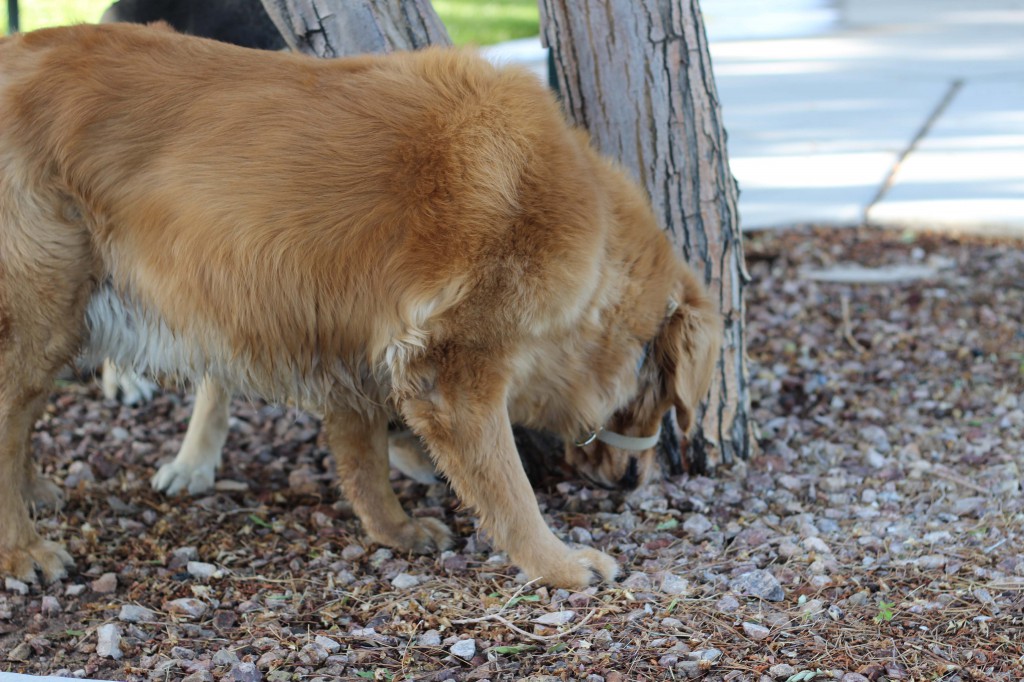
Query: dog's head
x: 674, y: 369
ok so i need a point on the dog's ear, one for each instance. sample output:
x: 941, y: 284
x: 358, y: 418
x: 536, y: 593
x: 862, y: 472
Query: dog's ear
x: 687, y: 349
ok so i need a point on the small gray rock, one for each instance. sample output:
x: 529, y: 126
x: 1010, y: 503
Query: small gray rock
x: 854, y: 677
x: 199, y: 676
x: 378, y: 558
x: 758, y: 583
x: 312, y: 654
x: 673, y: 584
x: 331, y: 646
x: 756, y: 632
x: 182, y: 653
x: 74, y: 590
x: 728, y: 604
x: 788, y: 549
x: 876, y: 459
x: 930, y: 562
x: 816, y: 544
x: 246, y: 672
x: 696, y: 525
x: 690, y: 669
x: 187, y: 606
x: 859, y: 598
x: 367, y: 633
x: 50, y: 606
x: 225, y: 657
x: 429, y: 638
x: 464, y: 648
x: 709, y: 655
x: 782, y: 670
x: 352, y: 552
x: 105, y: 584
x: 555, y: 619
x: 405, y: 581
x: 202, y: 570
x: 22, y: 652
x: 876, y: 436
x: 133, y: 613
x: 108, y: 644
x: 78, y: 472
x: 271, y: 659
x: 16, y: 586
x: 580, y: 535
x: 637, y: 581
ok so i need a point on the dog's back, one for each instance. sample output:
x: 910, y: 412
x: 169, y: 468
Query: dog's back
x: 216, y: 178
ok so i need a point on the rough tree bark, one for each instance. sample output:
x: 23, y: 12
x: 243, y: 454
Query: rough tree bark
x: 638, y: 76
x: 335, y: 28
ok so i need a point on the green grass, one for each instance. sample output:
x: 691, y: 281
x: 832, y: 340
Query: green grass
x: 39, y: 13
x: 476, y: 22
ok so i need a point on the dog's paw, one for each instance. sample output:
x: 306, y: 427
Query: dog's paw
x: 420, y: 536
x: 136, y: 389
x: 576, y: 570
x: 48, y: 558
x: 133, y: 388
x: 174, y: 477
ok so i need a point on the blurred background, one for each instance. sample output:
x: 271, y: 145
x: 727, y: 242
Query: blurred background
x: 468, y: 21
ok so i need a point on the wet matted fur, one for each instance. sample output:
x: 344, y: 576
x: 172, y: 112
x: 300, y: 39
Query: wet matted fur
x: 418, y: 234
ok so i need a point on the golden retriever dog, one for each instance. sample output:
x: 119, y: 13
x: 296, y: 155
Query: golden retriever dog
x: 418, y: 234
x: 193, y: 469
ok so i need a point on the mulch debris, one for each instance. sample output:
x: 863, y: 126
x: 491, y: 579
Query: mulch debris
x: 878, y: 535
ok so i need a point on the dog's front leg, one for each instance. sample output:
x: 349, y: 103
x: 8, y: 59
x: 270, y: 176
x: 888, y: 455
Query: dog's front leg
x: 195, y: 466
x: 463, y: 417
x: 22, y: 551
x: 359, y: 441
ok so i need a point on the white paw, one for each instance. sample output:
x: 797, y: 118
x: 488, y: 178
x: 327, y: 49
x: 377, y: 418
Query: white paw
x: 133, y: 387
x: 175, y: 476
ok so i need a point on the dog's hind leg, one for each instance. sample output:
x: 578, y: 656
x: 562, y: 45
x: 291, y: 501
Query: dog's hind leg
x: 463, y: 417
x: 195, y: 466
x: 132, y: 386
x: 359, y: 441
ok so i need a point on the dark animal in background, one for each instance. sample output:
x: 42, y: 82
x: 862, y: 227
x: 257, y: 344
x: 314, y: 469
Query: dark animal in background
x: 242, y: 22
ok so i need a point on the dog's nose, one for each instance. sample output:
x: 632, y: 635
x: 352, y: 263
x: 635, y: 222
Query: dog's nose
x: 632, y: 476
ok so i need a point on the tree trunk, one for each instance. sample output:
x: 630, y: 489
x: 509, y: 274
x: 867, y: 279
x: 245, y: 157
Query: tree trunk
x: 638, y: 76
x: 335, y: 28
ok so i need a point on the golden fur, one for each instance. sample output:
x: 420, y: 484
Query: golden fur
x: 417, y: 234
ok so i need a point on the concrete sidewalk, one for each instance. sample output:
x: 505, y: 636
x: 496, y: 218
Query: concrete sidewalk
x: 894, y: 112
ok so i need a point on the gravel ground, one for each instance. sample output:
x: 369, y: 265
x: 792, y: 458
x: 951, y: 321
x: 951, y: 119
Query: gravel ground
x: 877, y: 536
